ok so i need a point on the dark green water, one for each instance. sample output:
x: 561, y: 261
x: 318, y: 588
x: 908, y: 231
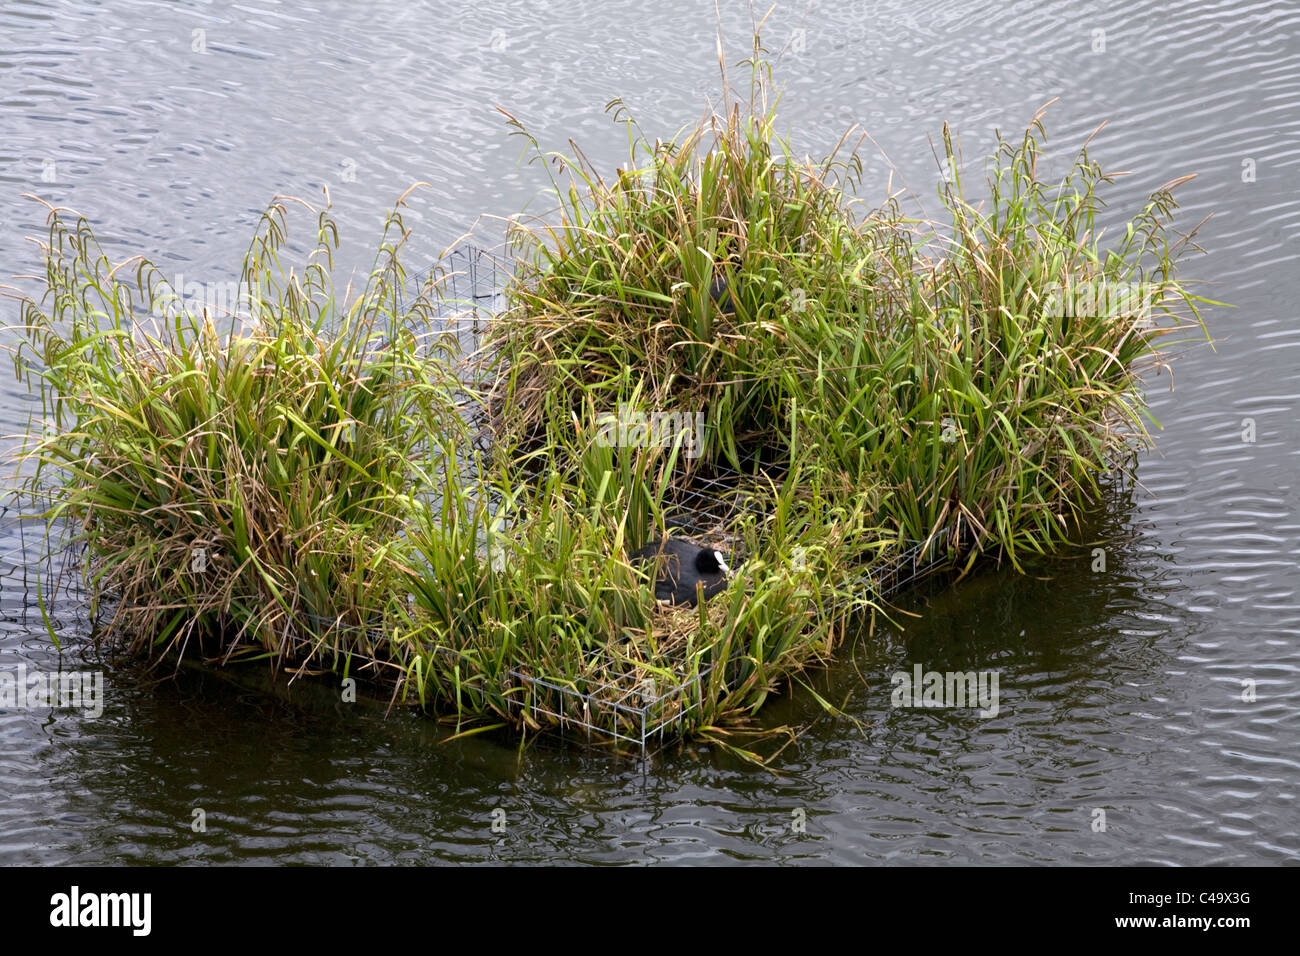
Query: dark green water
x: 1120, y: 690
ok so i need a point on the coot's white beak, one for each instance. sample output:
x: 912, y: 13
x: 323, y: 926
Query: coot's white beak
x: 722, y: 563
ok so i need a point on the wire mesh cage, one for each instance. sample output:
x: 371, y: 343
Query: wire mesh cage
x: 626, y: 707
x: 468, y: 287
x: 630, y: 708
x: 35, y: 554
x: 616, y: 696
x: 617, y: 699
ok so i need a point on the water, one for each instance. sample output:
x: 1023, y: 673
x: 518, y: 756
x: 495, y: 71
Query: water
x: 1120, y: 690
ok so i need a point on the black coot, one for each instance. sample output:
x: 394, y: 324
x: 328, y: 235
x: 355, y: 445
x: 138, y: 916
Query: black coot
x: 682, y: 567
x: 720, y: 292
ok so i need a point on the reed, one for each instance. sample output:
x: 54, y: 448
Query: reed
x: 303, y: 487
x: 973, y: 378
x: 532, y: 577
x: 238, y: 485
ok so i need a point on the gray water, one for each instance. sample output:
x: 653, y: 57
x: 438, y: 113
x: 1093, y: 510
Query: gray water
x: 1121, y: 690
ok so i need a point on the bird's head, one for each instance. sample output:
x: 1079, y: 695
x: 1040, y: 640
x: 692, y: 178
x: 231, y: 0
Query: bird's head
x: 711, y: 561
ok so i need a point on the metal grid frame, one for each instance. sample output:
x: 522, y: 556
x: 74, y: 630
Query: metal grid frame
x: 656, y: 714
x: 656, y: 717
x: 473, y: 281
x: 30, y: 557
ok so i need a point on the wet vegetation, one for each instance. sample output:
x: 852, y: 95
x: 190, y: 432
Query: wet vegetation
x: 328, y: 483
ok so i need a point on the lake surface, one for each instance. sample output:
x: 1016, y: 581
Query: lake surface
x: 170, y: 126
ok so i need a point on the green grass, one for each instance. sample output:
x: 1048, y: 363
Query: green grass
x: 921, y: 364
x: 241, y: 492
x: 544, y: 587
x: 905, y: 380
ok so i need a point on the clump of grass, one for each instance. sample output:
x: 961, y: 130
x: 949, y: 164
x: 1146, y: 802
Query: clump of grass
x: 532, y: 579
x: 929, y: 368
x: 963, y: 382
x: 899, y: 380
x: 668, y: 282
x: 242, y: 491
